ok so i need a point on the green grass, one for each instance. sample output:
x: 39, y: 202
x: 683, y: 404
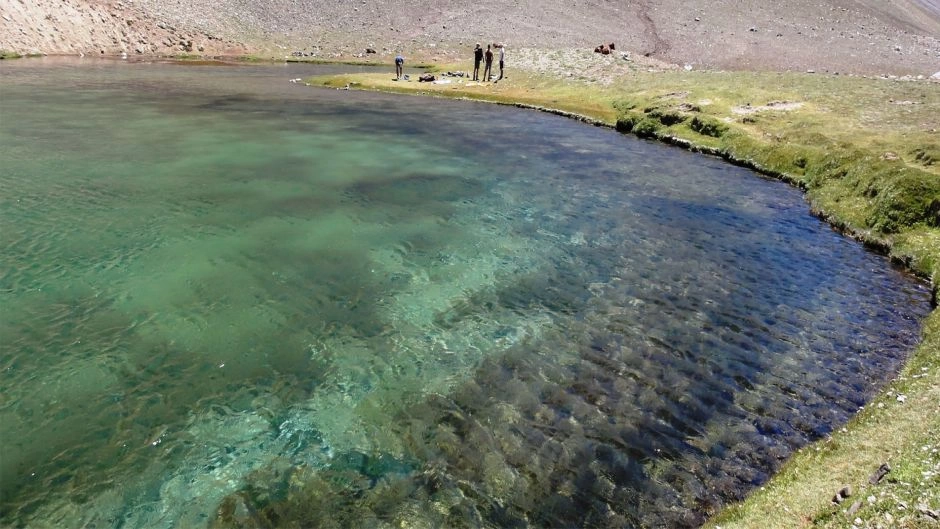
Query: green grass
x: 867, y: 153
x: 4, y: 54
x: 251, y: 58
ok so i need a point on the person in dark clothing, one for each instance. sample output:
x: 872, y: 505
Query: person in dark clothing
x: 477, y: 58
x: 399, y: 65
x: 488, y: 59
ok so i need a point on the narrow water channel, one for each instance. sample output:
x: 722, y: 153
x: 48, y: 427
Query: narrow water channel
x: 227, y: 300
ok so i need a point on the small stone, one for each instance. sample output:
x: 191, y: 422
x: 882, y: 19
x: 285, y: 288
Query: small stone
x: 843, y: 493
x: 879, y: 474
x: 854, y: 508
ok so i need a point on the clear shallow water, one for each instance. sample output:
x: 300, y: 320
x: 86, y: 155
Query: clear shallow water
x: 232, y: 301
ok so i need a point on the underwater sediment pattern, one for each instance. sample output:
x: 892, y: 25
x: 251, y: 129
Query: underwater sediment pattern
x: 229, y: 301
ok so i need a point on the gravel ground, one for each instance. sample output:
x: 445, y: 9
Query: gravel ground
x: 92, y: 27
x: 846, y: 36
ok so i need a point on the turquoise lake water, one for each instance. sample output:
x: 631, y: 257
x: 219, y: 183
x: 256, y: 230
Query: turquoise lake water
x: 227, y: 300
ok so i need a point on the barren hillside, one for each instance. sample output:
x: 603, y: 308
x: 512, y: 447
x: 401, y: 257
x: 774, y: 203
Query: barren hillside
x: 846, y: 36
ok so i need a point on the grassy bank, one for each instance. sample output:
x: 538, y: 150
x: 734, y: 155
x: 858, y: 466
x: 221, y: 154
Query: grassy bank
x: 867, y: 153
x: 5, y: 54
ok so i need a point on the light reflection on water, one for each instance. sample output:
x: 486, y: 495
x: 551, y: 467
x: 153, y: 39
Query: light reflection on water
x: 223, y: 289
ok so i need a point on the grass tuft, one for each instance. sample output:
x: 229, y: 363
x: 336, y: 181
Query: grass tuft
x: 708, y: 127
x: 927, y: 154
x: 665, y: 117
x: 648, y: 127
x: 906, y: 200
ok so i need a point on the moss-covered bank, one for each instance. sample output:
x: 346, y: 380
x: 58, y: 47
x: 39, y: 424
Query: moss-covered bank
x: 865, y: 151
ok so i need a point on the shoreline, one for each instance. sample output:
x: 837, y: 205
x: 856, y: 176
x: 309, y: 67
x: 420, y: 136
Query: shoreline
x: 899, y: 423
x: 867, y: 238
x: 880, y: 243
x: 875, y: 244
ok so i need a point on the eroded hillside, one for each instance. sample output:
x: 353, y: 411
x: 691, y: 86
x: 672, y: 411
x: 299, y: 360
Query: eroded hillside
x: 846, y: 36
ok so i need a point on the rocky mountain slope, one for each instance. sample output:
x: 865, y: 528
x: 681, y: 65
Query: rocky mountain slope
x: 846, y: 36
x: 84, y: 27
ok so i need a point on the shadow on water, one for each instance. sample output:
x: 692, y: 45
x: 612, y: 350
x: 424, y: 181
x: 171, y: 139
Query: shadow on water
x: 245, y: 303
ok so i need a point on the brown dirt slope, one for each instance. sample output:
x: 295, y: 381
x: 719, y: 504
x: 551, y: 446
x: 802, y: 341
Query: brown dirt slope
x: 846, y: 36
x: 101, y: 27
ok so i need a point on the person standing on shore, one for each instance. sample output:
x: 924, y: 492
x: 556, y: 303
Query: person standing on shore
x: 399, y: 65
x: 502, y: 56
x: 477, y: 57
x: 488, y: 69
